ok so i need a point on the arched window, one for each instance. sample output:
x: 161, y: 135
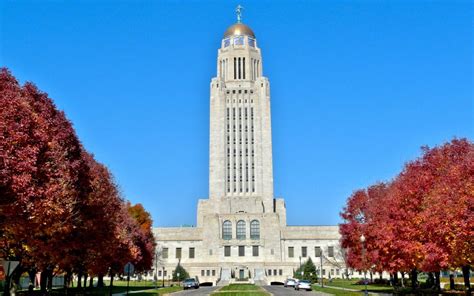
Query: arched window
x: 227, y: 230
x: 254, y: 229
x: 241, y: 229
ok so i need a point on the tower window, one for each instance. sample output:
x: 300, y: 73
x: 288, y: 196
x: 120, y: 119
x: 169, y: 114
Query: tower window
x: 243, y: 67
x: 227, y: 230
x: 239, y: 69
x: 255, y: 229
x: 241, y: 229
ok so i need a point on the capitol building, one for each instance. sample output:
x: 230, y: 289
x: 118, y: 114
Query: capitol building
x: 241, y: 231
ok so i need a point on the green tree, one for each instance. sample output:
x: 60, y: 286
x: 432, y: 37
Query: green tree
x: 307, y: 271
x: 183, y: 274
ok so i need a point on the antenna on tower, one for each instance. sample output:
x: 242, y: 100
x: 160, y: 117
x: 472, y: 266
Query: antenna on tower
x: 238, y: 10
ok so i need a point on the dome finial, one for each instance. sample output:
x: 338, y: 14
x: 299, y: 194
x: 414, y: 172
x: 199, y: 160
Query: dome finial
x: 238, y: 10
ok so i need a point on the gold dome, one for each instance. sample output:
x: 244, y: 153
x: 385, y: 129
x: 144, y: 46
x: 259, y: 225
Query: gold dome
x: 239, y: 29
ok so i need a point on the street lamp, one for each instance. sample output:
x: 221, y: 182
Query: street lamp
x: 362, y: 240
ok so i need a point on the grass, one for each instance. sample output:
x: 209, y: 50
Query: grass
x: 335, y: 292
x: 351, y: 284
x: 119, y: 287
x: 239, y: 287
x: 240, y: 290
x: 161, y: 291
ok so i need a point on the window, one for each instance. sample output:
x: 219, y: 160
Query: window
x: 317, y: 251
x: 202, y: 272
x: 332, y: 271
x: 213, y: 272
x: 210, y: 252
x: 255, y: 229
x: 227, y: 251
x: 324, y: 271
x: 331, y: 251
x: 255, y: 251
x: 191, y: 253
x: 178, y: 253
x: 208, y: 272
x: 269, y: 272
x: 164, y: 253
x: 337, y: 271
x: 241, y: 251
x: 159, y: 273
x: 165, y: 273
x: 280, y: 272
x: 291, y: 252
x: 241, y: 229
x: 274, y: 272
x: 304, y: 251
x: 227, y: 230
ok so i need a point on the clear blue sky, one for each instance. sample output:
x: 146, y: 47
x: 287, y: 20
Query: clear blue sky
x: 357, y: 88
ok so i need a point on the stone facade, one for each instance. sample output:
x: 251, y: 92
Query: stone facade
x: 241, y: 230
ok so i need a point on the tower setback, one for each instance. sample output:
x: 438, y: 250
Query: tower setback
x: 241, y: 230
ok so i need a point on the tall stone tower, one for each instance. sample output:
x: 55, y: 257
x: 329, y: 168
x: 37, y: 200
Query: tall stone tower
x: 241, y: 230
x: 240, y: 168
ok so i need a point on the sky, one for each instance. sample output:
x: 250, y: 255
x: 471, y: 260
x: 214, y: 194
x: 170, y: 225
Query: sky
x: 357, y: 87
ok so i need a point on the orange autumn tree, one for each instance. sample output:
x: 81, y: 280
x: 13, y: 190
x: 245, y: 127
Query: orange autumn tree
x: 60, y: 210
x: 423, y: 220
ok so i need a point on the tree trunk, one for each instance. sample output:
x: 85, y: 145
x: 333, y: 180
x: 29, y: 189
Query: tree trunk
x: 437, y: 280
x: 91, y: 282
x: 403, y: 279
x: 111, y: 283
x: 466, y: 273
x: 32, y: 284
x: 451, y: 281
x: 395, y: 278
x: 50, y: 280
x: 414, y: 278
x: 85, y: 280
x: 371, y: 277
x: 43, y: 281
x: 100, y: 281
x: 79, y: 279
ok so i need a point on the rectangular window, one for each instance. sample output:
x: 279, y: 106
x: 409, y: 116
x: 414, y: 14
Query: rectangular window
x: 241, y: 251
x: 208, y: 272
x: 165, y: 273
x: 317, y: 251
x: 324, y: 271
x: 337, y: 271
x: 213, y: 272
x: 255, y: 251
x: 304, y: 251
x: 202, y: 272
x: 191, y: 253
x: 227, y: 251
x: 291, y: 252
x: 159, y: 273
x: 280, y: 272
x: 178, y: 253
x: 274, y: 272
x: 269, y: 272
x: 330, y: 251
x: 164, y: 253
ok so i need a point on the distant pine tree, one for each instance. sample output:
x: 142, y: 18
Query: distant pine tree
x: 307, y: 271
x: 183, y: 274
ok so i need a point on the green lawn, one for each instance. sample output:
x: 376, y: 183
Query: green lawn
x: 161, y: 291
x: 239, y: 287
x: 240, y: 290
x: 350, y: 284
x: 335, y: 292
